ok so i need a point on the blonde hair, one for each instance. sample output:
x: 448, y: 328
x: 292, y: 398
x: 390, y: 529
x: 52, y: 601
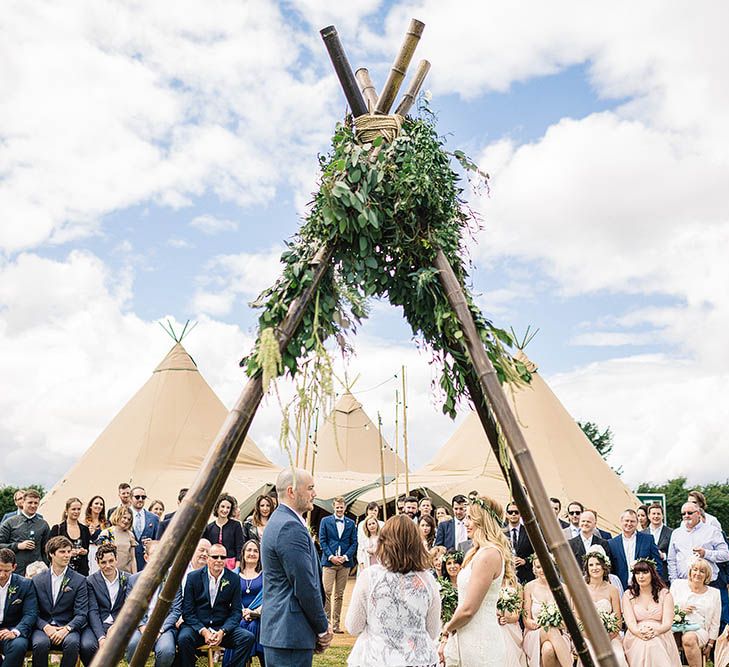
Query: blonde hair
x: 487, y: 517
x: 704, y: 566
x: 118, y: 513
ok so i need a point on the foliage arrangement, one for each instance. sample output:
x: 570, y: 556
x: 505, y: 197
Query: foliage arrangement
x: 448, y: 599
x: 510, y: 600
x: 549, y: 616
x: 610, y: 621
x: 679, y: 615
x: 385, y: 209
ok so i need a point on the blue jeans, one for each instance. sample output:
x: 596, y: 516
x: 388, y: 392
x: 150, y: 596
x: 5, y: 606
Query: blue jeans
x: 164, y: 648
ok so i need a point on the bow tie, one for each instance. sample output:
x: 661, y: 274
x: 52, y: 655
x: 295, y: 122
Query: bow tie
x: 339, y: 520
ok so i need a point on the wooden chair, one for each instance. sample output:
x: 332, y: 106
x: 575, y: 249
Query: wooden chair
x: 53, y: 651
x: 211, y: 651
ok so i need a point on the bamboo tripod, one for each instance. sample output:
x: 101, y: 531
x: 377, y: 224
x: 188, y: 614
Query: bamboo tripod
x: 180, y: 540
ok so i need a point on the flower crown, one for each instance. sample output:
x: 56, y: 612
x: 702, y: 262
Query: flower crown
x: 479, y: 501
x: 603, y: 558
x: 643, y: 560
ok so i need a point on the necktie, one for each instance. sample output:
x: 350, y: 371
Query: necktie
x: 138, y: 524
x: 513, y: 539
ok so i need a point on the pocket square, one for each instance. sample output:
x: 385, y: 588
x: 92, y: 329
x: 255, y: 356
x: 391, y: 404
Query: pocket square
x: 18, y: 601
x: 68, y: 589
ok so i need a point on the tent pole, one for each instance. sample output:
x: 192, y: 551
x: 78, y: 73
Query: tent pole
x: 397, y: 446
x: 180, y: 540
x: 487, y: 379
x: 382, y: 467
x: 405, y: 434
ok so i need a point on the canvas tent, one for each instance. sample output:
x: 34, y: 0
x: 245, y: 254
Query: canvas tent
x: 158, y: 440
x: 569, y: 465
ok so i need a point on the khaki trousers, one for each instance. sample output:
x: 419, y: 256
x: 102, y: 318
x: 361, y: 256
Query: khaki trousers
x: 334, y: 576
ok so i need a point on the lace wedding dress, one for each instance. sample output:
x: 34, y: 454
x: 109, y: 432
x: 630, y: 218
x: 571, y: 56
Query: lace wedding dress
x: 479, y: 643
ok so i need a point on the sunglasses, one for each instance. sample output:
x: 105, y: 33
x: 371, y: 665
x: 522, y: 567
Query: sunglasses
x: 512, y: 511
x: 688, y: 513
x: 577, y: 513
x: 140, y: 497
x: 218, y: 557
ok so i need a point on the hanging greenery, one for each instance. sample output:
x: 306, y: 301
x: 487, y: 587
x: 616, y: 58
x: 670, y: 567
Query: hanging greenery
x: 385, y: 208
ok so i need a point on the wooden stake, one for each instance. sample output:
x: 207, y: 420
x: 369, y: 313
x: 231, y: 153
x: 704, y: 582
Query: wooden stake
x: 415, y: 85
x: 343, y: 70
x: 405, y: 434
x: 397, y: 446
x: 382, y: 468
x: 555, y: 539
x: 367, y: 87
x: 400, y: 67
x: 180, y: 539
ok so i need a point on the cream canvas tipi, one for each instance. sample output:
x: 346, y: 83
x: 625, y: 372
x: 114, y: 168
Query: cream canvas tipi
x: 158, y: 440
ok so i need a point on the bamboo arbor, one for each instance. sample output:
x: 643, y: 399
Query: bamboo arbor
x: 483, y: 385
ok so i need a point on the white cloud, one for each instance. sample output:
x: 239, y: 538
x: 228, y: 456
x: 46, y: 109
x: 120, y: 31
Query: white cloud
x: 209, y: 224
x: 179, y: 243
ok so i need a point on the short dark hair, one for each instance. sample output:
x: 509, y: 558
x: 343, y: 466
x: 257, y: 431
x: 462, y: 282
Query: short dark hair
x: 7, y: 556
x: 181, y: 495
x: 141, y: 488
x: 233, y: 503
x: 105, y: 548
x: 124, y: 485
x: 410, y: 499
x: 700, y: 498
x: 656, y: 506
x: 56, y: 543
x: 556, y: 500
x: 31, y: 493
x: 576, y: 502
x: 460, y: 499
x: 371, y: 506
x: 514, y: 505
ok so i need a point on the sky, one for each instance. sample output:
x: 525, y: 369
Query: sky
x: 153, y: 160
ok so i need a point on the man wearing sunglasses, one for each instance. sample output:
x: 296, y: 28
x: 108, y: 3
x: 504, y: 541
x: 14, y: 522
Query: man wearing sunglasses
x: 144, y: 524
x: 520, y: 545
x: 574, y: 511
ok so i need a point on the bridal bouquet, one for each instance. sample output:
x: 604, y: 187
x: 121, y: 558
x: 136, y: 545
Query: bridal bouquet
x: 448, y: 599
x: 549, y: 616
x: 509, y: 601
x: 610, y: 621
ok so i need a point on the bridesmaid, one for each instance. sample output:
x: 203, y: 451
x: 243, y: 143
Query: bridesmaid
x: 79, y: 535
x: 648, y: 609
x: 95, y: 520
x: 509, y: 622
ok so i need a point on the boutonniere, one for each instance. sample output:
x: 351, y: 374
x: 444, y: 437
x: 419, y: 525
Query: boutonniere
x: 12, y: 591
x: 65, y: 588
x: 224, y: 583
x: 123, y: 580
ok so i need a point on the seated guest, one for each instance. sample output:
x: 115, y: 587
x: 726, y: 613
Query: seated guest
x: 26, y: 533
x: 79, y: 535
x: 18, y: 611
x: 587, y: 536
x: 703, y: 607
x: 63, y: 606
x: 226, y: 531
x: 121, y: 536
x: 211, y: 608
x: 251, y: 592
x: 164, y: 647
x: 199, y: 559
x: 255, y: 525
x: 630, y: 546
x: 107, y: 593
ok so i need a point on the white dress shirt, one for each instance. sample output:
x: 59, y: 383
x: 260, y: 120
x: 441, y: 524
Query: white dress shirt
x: 214, y: 586
x: 629, y: 549
x: 113, y: 589
x: 460, y: 533
x: 655, y: 532
x: 56, y: 581
x: 683, y: 541
x: 3, y: 598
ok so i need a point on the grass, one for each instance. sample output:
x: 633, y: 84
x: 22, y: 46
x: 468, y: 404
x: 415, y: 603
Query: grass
x: 336, y: 656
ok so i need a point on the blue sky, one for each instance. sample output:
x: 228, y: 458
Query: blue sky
x: 153, y: 166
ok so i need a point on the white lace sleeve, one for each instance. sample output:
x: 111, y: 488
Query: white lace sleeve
x: 432, y: 619
x: 357, y: 613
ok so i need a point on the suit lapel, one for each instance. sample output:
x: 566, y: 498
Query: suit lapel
x: 206, y: 585
x: 46, y: 587
x: 100, y: 584
x: 13, y: 582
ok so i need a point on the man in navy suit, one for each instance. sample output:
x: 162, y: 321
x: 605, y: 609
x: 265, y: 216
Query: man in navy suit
x: 630, y: 545
x: 144, y: 524
x: 167, y: 520
x: 521, y: 546
x: 63, y: 606
x: 107, y: 593
x: 293, y: 622
x: 453, y: 532
x: 338, y: 541
x: 18, y: 611
x: 587, y: 537
x: 165, y: 646
x: 212, y: 612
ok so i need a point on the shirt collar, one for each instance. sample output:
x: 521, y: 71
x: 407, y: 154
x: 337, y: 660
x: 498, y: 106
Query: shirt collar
x: 212, y: 578
x: 114, y: 580
x: 629, y: 539
x: 53, y: 575
x: 27, y: 516
x: 5, y: 587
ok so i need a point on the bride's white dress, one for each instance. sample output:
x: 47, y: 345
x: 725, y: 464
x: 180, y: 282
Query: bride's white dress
x: 479, y: 643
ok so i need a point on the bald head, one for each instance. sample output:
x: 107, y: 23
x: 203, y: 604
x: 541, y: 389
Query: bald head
x: 295, y: 488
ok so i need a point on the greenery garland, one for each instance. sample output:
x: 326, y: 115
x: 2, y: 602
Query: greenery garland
x: 385, y: 208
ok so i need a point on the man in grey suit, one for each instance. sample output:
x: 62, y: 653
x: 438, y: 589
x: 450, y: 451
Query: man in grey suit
x: 293, y: 623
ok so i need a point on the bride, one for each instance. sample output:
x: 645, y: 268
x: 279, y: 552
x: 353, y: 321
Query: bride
x: 473, y: 638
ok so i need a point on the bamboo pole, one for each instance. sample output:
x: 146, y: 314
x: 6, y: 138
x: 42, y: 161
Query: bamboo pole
x: 530, y: 523
x: 180, y: 538
x: 382, y: 468
x: 399, y: 67
x: 405, y: 433
x: 343, y: 70
x: 555, y: 539
x: 397, y: 446
x: 367, y: 87
x: 410, y: 96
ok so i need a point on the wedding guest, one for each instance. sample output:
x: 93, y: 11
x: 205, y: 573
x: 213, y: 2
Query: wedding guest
x: 157, y: 507
x: 452, y: 563
x: 410, y: 507
x: 255, y: 525
x: 557, y: 507
x: 167, y: 520
x: 452, y: 533
x: 96, y: 521
x: 699, y: 498
x: 695, y: 538
x: 425, y: 506
x: 606, y: 597
x: 78, y: 533
x: 509, y: 622
x: 642, y: 514
x: 400, y: 504
x: 629, y: 546
x: 63, y: 606
x: 34, y: 568
x: 26, y: 533
x: 399, y: 580
x: 367, y: 546
x: 703, y: 607
x: 587, y: 536
x: 199, y: 559
x: 211, y: 609
x: 659, y: 531
x: 648, y: 611
x: 18, y: 611
x: 427, y: 530
x: 125, y: 498
x: 436, y: 560
x: 18, y: 498
x: 226, y: 531
x: 107, y: 593
x: 165, y: 645
x: 144, y: 524
x: 574, y: 512
x: 338, y: 540
x: 251, y: 591
x: 543, y: 646
x: 120, y: 535
x: 521, y: 546
x: 372, y: 510
x: 441, y: 515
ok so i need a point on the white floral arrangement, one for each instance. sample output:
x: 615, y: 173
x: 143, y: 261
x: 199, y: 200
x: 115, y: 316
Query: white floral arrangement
x: 549, y: 616
x: 509, y: 601
x: 610, y: 621
x: 679, y: 615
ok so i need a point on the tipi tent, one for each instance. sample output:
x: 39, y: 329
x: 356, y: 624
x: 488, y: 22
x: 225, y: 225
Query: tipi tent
x: 570, y: 467
x: 158, y: 440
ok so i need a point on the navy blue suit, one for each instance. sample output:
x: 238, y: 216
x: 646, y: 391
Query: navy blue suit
x: 445, y: 535
x: 164, y: 647
x: 71, y: 609
x: 333, y: 545
x: 151, y: 526
x: 293, y: 612
x: 224, y: 615
x: 100, y: 609
x: 20, y: 613
x: 645, y: 547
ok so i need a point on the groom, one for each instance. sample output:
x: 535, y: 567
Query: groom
x: 293, y: 622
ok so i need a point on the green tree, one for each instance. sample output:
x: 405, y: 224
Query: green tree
x: 676, y: 492
x: 6, y: 496
x: 602, y: 441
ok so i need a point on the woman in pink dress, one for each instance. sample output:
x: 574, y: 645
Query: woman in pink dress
x: 509, y: 622
x: 648, y: 613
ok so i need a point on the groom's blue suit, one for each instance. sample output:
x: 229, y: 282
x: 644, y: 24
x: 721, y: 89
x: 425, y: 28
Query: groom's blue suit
x: 293, y: 613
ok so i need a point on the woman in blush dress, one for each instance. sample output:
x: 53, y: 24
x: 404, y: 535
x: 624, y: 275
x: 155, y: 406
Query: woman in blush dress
x: 703, y: 606
x: 367, y: 548
x: 648, y: 611
x: 543, y: 646
x: 509, y: 622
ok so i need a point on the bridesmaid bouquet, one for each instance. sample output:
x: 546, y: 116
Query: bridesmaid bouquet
x: 679, y: 615
x: 610, y: 621
x: 509, y: 601
x: 549, y: 616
